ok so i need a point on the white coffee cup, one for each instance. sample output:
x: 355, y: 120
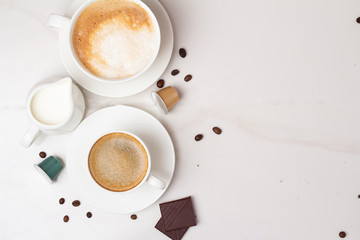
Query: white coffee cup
x: 148, y: 178
x: 52, y: 108
x: 66, y: 26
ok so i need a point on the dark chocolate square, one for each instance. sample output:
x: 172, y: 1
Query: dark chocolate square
x: 178, y: 214
x: 176, y: 234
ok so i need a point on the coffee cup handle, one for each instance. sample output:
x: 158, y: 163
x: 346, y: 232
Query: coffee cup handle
x: 156, y: 182
x: 32, y: 133
x: 57, y: 22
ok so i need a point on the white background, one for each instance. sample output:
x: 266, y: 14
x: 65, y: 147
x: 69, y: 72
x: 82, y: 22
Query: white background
x: 280, y: 77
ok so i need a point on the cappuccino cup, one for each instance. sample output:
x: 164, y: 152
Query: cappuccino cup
x: 110, y: 41
x: 120, y: 162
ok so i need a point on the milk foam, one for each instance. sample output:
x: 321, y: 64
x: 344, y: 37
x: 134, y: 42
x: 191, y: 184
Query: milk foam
x: 52, y: 105
x: 115, y: 39
x: 119, y: 52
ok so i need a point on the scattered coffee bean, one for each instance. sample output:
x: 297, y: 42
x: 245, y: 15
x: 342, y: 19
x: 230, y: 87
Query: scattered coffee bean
x: 42, y: 154
x: 66, y: 218
x: 133, y: 217
x: 175, y: 72
x: 61, y: 200
x: 182, y: 52
x: 358, y: 196
x: 342, y: 234
x: 217, y: 130
x: 187, y: 78
x: 160, y: 83
x: 89, y: 214
x: 76, y: 203
x: 198, y: 137
x: 358, y: 20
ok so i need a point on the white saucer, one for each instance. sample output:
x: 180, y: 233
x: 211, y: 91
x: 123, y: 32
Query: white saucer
x: 120, y: 118
x: 127, y: 88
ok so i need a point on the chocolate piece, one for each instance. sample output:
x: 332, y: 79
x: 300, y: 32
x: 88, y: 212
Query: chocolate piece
x: 61, y: 200
x: 175, y: 72
x: 178, y: 214
x: 76, y: 203
x: 176, y: 234
x: 66, y: 218
x: 358, y: 20
x: 198, y: 137
x: 182, y: 52
x: 217, y: 130
x: 342, y: 234
x: 187, y: 77
x: 160, y: 83
x: 133, y: 217
x: 42, y: 154
x: 89, y: 214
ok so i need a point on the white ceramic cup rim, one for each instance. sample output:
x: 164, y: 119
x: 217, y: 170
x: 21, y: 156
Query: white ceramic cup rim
x: 148, y: 158
x: 84, y: 69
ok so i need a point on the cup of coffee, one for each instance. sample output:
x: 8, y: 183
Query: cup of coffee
x: 53, y: 107
x: 111, y: 40
x: 120, y: 162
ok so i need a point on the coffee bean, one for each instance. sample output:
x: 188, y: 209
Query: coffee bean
x: 182, y: 52
x: 342, y: 234
x: 175, y: 72
x: 160, y: 83
x: 66, y: 218
x: 42, y: 154
x: 76, y: 203
x: 198, y: 137
x: 217, y: 130
x: 89, y: 214
x: 358, y: 196
x: 61, y: 200
x: 358, y: 20
x: 187, y: 78
x: 133, y: 217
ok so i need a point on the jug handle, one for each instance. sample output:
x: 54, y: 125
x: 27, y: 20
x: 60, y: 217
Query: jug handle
x: 32, y: 133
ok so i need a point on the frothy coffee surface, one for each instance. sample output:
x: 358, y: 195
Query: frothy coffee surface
x: 115, y: 39
x: 118, y: 162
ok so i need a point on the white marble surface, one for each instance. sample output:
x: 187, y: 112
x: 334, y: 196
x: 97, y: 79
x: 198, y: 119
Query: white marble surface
x: 280, y: 77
